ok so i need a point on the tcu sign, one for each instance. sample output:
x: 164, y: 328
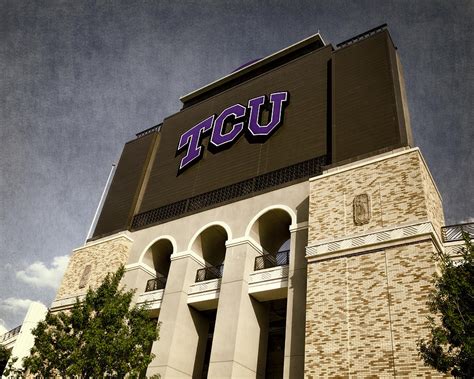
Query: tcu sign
x: 226, y: 128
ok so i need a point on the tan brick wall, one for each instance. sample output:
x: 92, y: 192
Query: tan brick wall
x: 366, y: 312
x: 104, y: 257
x: 400, y: 191
x: 433, y: 201
x: 410, y: 271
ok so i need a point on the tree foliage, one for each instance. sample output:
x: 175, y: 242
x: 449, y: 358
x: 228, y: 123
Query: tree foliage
x: 450, y: 347
x: 100, y: 336
x: 4, y: 356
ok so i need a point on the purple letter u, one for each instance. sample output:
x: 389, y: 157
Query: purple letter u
x: 276, y: 99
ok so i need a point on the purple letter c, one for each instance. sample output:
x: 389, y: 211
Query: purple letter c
x: 218, y: 138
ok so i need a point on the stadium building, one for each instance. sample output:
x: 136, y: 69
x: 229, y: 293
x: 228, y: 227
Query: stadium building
x: 281, y: 224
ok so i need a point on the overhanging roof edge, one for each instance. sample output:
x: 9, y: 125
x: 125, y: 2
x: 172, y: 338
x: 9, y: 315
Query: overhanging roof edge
x: 246, y: 69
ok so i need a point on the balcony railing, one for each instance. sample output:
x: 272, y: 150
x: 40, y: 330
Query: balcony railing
x: 453, y: 233
x: 11, y: 333
x: 154, y: 284
x: 208, y: 273
x: 281, y: 258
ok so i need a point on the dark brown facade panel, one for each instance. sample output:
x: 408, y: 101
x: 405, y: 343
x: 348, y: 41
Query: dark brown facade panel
x: 120, y: 201
x: 255, y: 69
x: 343, y: 104
x: 302, y: 136
x: 366, y: 114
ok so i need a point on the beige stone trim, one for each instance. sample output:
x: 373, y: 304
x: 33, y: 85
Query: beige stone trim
x: 205, y: 286
x: 300, y: 226
x: 140, y: 266
x: 269, y: 274
x: 152, y: 298
x: 105, y: 239
x: 380, y: 239
x: 377, y: 158
x: 188, y: 254
x: 65, y: 303
x: 204, y: 293
x: 454, y: 248
x: 244, y: 241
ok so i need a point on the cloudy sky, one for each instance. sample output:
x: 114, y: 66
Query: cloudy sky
x: 79, y: 78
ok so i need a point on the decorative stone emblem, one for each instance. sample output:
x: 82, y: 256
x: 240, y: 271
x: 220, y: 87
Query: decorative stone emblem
x: 361, y: 209
x: 85, y: 276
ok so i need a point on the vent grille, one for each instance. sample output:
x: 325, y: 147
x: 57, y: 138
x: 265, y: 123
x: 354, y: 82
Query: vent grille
x: 247, y: 187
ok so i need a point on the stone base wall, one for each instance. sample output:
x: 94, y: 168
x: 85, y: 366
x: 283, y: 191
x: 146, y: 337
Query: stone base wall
x: 373, y: 230
x: 89, y: 265
x: 365, y: 313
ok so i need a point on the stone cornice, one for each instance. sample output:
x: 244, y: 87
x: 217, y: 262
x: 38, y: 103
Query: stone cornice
x: 375, y: 159
x: 379, y: 239
x: 141, y: 266
x: 188, y: 254
x: 244, y: 241
x: 65, y: 302
x: 106, y: 239
x: 300, y: 226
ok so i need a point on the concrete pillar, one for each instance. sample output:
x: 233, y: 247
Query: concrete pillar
x: 136, y: 276
x: 241, y: 332
x: 296, y: 305
x: 182, y: 328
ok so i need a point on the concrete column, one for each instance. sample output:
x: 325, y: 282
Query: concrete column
x: 136, y: 276
x: 296, y: 306
x: 241, y: 332
x: 182, y: 328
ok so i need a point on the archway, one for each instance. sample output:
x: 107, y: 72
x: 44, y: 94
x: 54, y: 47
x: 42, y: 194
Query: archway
x: 157, y: 257
x: 209, y: 244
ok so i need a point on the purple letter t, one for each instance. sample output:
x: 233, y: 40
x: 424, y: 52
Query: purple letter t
x: 191, y: 138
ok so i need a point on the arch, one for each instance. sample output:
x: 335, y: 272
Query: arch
x: 208, y: 225
x: 168, y: 237
x: 157, y: 254
x: 267, y: 209
x: 209, y: 242
x: 271, y: 227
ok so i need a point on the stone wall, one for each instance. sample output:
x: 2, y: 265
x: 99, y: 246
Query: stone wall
x: 369, y: 281
x: 397, y: 187
x: 365, y: 313
x: 103, y: 257
x: 433, y: 201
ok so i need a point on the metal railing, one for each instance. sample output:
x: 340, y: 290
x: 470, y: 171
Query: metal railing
x: 154, y: 284
x: 208, y: 273
x: 282, y: 258
x: 453, y: 233
x: 361, y: 36
x: 153, y: 129
x: 306, y: 169
x: 11, y: 333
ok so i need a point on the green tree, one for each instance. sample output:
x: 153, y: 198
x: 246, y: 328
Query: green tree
x: 4, y: 357
x: 100, y: 336
x: 450, y: 346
